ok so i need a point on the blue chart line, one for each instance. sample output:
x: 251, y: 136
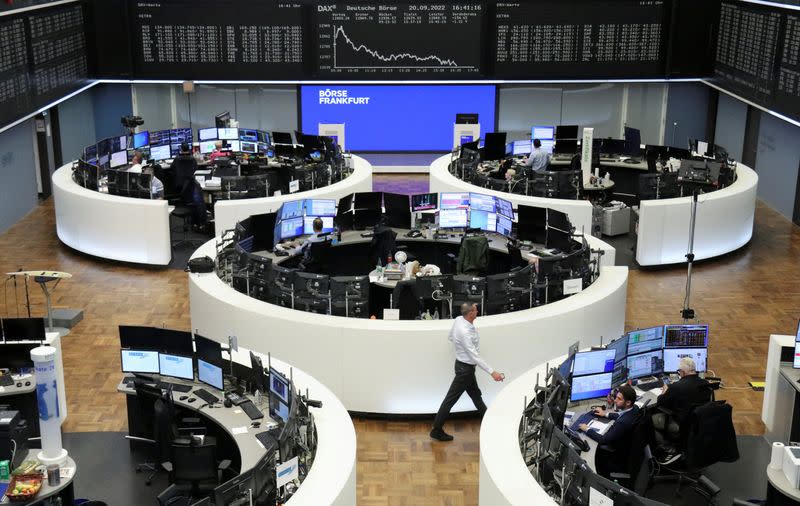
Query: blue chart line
x: 388, y: 59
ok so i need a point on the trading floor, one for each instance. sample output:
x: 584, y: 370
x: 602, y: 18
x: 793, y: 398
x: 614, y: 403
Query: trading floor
x: 744, y: 296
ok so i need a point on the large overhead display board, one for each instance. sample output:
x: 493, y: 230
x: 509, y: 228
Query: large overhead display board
x: 224, y: 39
x: 42, y: 58
x: 398, y: 40
x: 585, y: 38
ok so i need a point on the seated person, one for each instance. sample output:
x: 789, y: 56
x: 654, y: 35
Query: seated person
x: 136, y: 163
x: 505, y: 165
x: 614, y: 445
x: 510, y: 175
x: 539, y: 159
x: 317, y: 236
x: 183, y: 168
x: 218, y: 152
x: 156, y: 186
x: 680, y: 398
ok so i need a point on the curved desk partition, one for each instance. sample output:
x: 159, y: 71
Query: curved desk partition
x: 724, y: 223
x: 579, y: 211
x: 405, y: 367
x: 228, y: 212
x: 109, y: 226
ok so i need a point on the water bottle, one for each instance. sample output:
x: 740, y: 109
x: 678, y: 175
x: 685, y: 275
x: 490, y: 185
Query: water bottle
x: 436, y: 315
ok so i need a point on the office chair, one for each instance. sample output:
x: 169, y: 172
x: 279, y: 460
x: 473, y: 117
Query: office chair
x: 515, y: 257
x: 146, y: 397
x: 640, y: 464
x: 404, y: 298
x: 173, y: 496
x: 473, y: 255
x: 383, y: 244
x: 195, y: 468
x: 185, y: 215
x: 316, y: 260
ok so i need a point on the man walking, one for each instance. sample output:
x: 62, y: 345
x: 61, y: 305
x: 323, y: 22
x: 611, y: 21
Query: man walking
x: 465, y: 342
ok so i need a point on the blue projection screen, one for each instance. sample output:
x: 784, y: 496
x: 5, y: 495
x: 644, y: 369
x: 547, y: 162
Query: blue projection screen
x: 396, y: 118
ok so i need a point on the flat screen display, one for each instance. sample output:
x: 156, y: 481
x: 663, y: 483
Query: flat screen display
x: 504, y: 208
x: 248, y: 135
x: 119, y: 159
x: 141, y: 139
x: 620, y: 346
x: 482, y: 220
x: 424, y: 202
x: 209, y: 374
x: 207, y: 147
x: 452, y: 218
x: 141, y: 361
x: 454, y: 201
x: 642, y: 340
x: 673, y: 356
x: 292, y: 227
x: 686, y: 336
x: 207, y: 134
x: 504, y: 225
x: 543, y: 133
x: 396, y: 118
x: 176, y: 366
x: 593, y: 362
x: 291, y: 209
x: 320, y: 207
x: 645, y: 364
x: 228, y: 133
x: 160, y: 152
x: 278, y: 386
x: 797, y: 355
x: 593, y: 386
x: 308, y: 224
x: 281, y: 411
x: 481, y: 202
x: 248, y: 147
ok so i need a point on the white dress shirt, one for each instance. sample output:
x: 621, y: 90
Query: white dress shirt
x: 466, y: 342
x: 156, y: 188
x: 303, y: 248
x: 538, y: 159
x: 136, y: 168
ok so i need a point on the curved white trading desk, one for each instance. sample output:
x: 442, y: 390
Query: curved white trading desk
x: 724, y: 223
x: 228, y: 212
x: 405, y: 367
x: 579, y: 211
x: 110, y: 226
x: 504, y: 477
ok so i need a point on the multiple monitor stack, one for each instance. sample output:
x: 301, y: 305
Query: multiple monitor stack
x: 177, y: 354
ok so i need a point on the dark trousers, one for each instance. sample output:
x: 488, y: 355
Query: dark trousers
x: 464, y: 381
x: 192, y: 196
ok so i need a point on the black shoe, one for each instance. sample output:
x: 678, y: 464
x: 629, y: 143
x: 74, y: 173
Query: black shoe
x: 441, y: 435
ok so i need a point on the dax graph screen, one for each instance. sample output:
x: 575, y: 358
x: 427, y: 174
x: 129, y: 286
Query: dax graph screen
x: 399, y: 40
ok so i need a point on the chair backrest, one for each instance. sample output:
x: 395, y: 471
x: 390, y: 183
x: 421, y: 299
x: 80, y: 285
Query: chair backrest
x: 404, y: 298
x: 712, y: 436
x: 146, y: 396
x: 640, y: 458
x: 165, y: 428
x: 383, y: 243
x: 194, y: 463
x: 316, y: 259
x: 515, y: 257
x: 473, y: 256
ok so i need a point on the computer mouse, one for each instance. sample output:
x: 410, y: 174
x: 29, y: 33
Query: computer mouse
x: 227, y: 403
x: 183, y: 397
x: 255, y: 425
x: 192, y: 399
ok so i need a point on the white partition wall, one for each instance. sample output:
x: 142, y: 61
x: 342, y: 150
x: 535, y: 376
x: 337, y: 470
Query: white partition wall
x: 109, y: 226
x: 724, y: 223
x: 579, y: 211
x: 228, y: 212
x: 404, y: 367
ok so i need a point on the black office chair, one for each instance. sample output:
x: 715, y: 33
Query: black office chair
x: 316, y: 261
x: 473, y: 255
x: 146, y: 397
x: 640, y: 463
x: 404, y: 298
x: 195, y: 468
x: 515, y: 257
x: 383, y: 244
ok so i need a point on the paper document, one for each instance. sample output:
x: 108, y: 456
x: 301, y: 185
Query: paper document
x: 596, y: 498
x: 601, y: 427
x: 238, y: 430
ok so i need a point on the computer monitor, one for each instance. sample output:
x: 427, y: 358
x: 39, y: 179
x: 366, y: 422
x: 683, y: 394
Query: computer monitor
x: 248, y: 147
x: 178, y: 342
x: 290, y: 228
x: 673, y: 356
x: 282, y: 138
x: 368, y: 200
x: 207, y: 134
x: 504, y: 226
x: 139, y: 361
x: 796, y: 363
x: 141, y: 139
x: 594, y: 362
x: 559, y: 240
x: 566, y: 132
x: 452, y: 218
x: 264, y: 476
x: 279, y: 410
x: 259, y: 377
x: 519, y: 148
x: 633, y: 141
x: 248, y: 134
x: 642, y: 340
x: 320, y: 207
x: 263, y: 137
x: 177, y: 366
x: 291, y: 209
x: 685, y: 336
x: 565, y: 146
x: 237, y: 490
x: 424, y: 202
x: 90, y: 153
x: 23, y: 329
x: 159, y: 138
x: 309, y: 284
x: 159, y: 153
x: 532, y: 224
x: 503, y: 207
x: 479, y: 219
x: 613, y: 146
x: 208, y: 147
x: 481, y: 202
x: 592, y: 386
x: 234, y: 146
x: 543, y: 133
x: 397, y: 209
x: 454, y: 200
x: 279, y: 385
x: 209, y: 374
x: 228, y: 134
x: 494, y: 146
x: 18, y: 355
x: 208, y: 350
x: 645, y: 364
x: 119, y: 159
x: 620, y: 347
x: 308, y: 224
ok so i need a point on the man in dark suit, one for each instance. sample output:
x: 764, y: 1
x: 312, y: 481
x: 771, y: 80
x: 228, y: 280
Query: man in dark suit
x: 614, y: 446
x: 690, y: 391
x: 183, y: 168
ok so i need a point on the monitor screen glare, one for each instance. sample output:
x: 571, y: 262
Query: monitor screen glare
x: 140, y: 361
x: 543, y: 133
x: 209, y: 374
x: 160, y: 152
x: 175, y: 366
x: 119, y: 159
x: 481, y: 202
x: 291, y: 228
x: 643, y: 340
x: 594, y: 362
x: 228, y: 133
x: 482, y: 220
x: 141, y: 139
x: 320, y: 207
x: 592, y: 386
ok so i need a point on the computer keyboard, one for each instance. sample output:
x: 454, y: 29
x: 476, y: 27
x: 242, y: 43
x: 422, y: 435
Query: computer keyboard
x: 650, y: 385
x: 206, y: 395
x: 252, y: 411
x: 176, y: 387
x: 269, y: 438
x: 6, y: 380
x: 584, y: 418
